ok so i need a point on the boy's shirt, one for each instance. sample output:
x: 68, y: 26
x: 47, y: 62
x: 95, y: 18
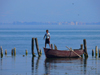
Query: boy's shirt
x: 47, y: 35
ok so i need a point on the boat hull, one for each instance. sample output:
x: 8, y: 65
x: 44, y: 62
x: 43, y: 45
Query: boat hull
x: 51, y: 53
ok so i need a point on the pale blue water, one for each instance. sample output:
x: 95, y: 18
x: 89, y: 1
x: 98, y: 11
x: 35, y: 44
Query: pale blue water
x: 20, y: 38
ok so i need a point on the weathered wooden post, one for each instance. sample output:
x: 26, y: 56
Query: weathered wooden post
x: 5, y: 52
x: 92, y: 52
x: 14, y: 51
x: 1, y: 50
x: 55, y: 47
x: 26, y: 52
x: 33, y: 54
x: 51, y: 46
x: 37, y: 46
x: 85, y: 48
x: 99, y: 52
x: 40, y: 52
x: 81, y: 48
x: 96, y: 51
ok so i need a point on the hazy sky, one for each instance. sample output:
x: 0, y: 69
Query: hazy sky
x: 49, y: 10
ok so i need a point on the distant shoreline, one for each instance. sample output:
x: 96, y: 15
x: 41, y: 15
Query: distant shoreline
x: 52, y: 23
x: 51, y: 27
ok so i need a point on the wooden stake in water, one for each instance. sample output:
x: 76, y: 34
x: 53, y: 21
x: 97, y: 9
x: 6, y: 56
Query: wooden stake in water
x: 51, y: 46
x: 96, y: 51
x: 81, y: 46
x: 5, y: 52
x: 37, y: 46
x: 81, y: 49
x: 92, y: 52
x: 99, y: 52
x: 33, y: 54
x: 1, y: 50
x: 26, y: 52
x: 85, y: 48
x: 55, y: 47
x: 40, y: 53
x: 14, y: 51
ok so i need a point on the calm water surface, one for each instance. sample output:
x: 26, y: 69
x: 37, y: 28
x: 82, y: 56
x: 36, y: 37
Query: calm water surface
x: 29, y: 65
x: 20, y: 38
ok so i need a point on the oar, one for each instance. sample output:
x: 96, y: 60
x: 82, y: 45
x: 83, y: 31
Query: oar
x: 74, y: 52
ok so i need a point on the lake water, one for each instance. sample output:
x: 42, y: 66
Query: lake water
x: 20, y: 36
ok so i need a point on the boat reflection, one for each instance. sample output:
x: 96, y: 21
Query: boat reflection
x: 56, y: 65
x: 62, y: 60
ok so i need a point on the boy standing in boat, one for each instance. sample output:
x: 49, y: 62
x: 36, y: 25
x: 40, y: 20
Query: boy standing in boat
x: 47, y: 40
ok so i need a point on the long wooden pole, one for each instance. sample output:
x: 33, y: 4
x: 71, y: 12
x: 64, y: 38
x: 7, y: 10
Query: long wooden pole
x: 85, y: 48
x: 74, y: 52
x: 37, y: 46
x: 33, y: 47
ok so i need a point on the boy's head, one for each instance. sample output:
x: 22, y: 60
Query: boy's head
x: 47, y: 31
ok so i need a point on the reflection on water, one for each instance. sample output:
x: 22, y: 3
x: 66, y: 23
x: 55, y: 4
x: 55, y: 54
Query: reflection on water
x: 37, y: 62
x: 85, y: 65
x: 1, y: 64
x: 32, y: 65
x: 62, y: 60
x: 71, y: 66
x: 65, y: 65
x: 29, y: 65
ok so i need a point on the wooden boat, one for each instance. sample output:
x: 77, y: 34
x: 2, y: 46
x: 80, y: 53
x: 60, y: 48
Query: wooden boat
x: 52, y: 53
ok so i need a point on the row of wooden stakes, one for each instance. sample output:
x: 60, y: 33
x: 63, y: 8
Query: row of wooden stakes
x: 96, y: 52
x: 13, y: 52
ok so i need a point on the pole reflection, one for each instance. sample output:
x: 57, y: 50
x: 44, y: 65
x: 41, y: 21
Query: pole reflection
x: 32, y: 65
x: 37, y: 62
x: 35, y: 69
x: 85, y: 65
x: 1, y: 63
